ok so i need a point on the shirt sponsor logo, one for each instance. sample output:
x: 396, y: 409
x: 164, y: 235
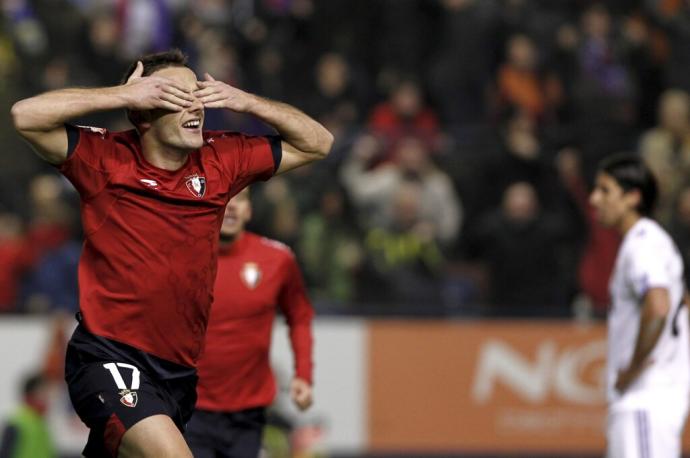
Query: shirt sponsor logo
x: 251, y: 275
x: 196, y: 185
x: 129, y: 398
x: 150, y: 183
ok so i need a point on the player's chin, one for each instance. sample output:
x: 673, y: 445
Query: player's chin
x: 195, y: 141
x: 230, y: 230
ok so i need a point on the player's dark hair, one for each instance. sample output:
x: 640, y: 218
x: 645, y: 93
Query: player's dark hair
x: 631, y: 172
x: 152, y: 63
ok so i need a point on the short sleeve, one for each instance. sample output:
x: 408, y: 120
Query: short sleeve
x: 84, y: 167
x: 248, y: 158
x: 648, y: 268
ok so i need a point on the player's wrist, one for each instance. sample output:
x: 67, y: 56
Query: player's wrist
x: 120, y: 96
x: 252, y: 103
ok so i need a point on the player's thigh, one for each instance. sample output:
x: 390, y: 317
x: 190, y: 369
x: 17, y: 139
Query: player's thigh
x: 645, y: 433
x: 665, y: 425
x: 226, y: 434
x: 625, y: 437
x: 247, y: 432
x: 205, y: 434
x: 154, y: 437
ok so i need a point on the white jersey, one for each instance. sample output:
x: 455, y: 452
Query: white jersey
x: 647, y: 258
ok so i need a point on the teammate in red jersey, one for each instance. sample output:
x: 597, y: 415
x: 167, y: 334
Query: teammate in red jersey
x: 153, y: 200
x: 256, y: 276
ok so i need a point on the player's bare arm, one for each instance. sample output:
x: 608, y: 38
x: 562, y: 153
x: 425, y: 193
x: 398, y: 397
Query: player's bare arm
x: 40, y: 119
x: 304, y: 139
x: 655, y: 309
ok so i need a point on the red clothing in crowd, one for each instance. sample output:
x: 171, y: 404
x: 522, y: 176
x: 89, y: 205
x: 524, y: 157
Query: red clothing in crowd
x: 15, y: 259
x: 392, y: 127
x: 599, y: 256
x: 151, y: 235
x: 256, y: 276
x: 19, y: 254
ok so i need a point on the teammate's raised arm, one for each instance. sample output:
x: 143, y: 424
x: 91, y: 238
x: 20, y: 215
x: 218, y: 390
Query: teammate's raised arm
x: 40, y: 119
x: 304, y: 139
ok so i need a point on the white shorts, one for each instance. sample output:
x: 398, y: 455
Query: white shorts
x: 646, y: 433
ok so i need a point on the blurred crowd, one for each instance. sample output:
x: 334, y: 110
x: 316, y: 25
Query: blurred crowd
x: 467, y: 136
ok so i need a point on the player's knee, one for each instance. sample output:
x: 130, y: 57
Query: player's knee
x: 154, y: 437
x: 154, y: 448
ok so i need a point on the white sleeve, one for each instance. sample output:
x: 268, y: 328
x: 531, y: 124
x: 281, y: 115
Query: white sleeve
x: 649, y: 268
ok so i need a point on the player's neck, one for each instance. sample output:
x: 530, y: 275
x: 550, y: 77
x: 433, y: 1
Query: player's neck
x: 163, y: 157
x: 227, y: 240
x: 628, y: 221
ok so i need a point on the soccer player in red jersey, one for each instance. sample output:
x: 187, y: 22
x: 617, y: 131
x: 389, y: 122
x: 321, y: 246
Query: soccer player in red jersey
x: 256, y: 276
x: 152, y: 205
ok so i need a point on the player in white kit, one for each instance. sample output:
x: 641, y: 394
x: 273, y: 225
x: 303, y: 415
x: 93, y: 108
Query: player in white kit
x: 648, y: 367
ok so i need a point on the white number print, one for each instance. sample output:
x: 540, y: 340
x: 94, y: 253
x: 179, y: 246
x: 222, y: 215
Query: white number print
x: 119, y: 381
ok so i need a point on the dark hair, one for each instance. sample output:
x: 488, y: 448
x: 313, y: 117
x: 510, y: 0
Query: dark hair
x: 32, y: 383
x: 154, y: 62
x: 631, y: 172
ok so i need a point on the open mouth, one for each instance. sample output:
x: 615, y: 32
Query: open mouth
x: 192, y: 124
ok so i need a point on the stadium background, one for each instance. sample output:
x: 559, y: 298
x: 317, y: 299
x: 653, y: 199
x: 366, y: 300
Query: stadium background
x: 459, y: 279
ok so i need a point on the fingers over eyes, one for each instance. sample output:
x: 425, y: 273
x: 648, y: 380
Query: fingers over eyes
x: 170, y: 98
x: 181, y: 94
x: 215, y: 104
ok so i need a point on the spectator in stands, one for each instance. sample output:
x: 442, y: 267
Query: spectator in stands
x: 51, y: 284
x: 403, y: 114
x: 598, y: 254
x: 339, y: 95
x: 520, y: 158
x: 666, y: 149
x: 520, y: 82
x: 330, y: 249
x: 15, y: 260
x: 373, y: 191
x: 520, y: 244
x: 403, y: 262
x: 676, y: 25
x: 680, y: 227
x: 461, y: 65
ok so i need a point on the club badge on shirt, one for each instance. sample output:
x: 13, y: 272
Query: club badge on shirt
x: 251, y: 274
x: 196, y: 185
x: 129, y: 398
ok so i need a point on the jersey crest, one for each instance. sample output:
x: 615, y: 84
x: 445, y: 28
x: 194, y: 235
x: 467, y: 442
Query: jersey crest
x: 251, y: 275
x: 196, y: 185
x: 129, y: 398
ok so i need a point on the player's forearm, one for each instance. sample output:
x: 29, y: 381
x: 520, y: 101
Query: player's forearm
x: 296, y: 128
x: 651, y: 328
x: 302, y: 347
x: 51, y: 110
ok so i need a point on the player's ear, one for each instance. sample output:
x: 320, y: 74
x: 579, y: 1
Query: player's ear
x: 634, y: 199
x: 139, y: 118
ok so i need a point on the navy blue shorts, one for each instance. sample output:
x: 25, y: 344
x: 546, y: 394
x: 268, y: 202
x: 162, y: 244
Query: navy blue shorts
x: 226, y: 434
x: 113, y: 386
